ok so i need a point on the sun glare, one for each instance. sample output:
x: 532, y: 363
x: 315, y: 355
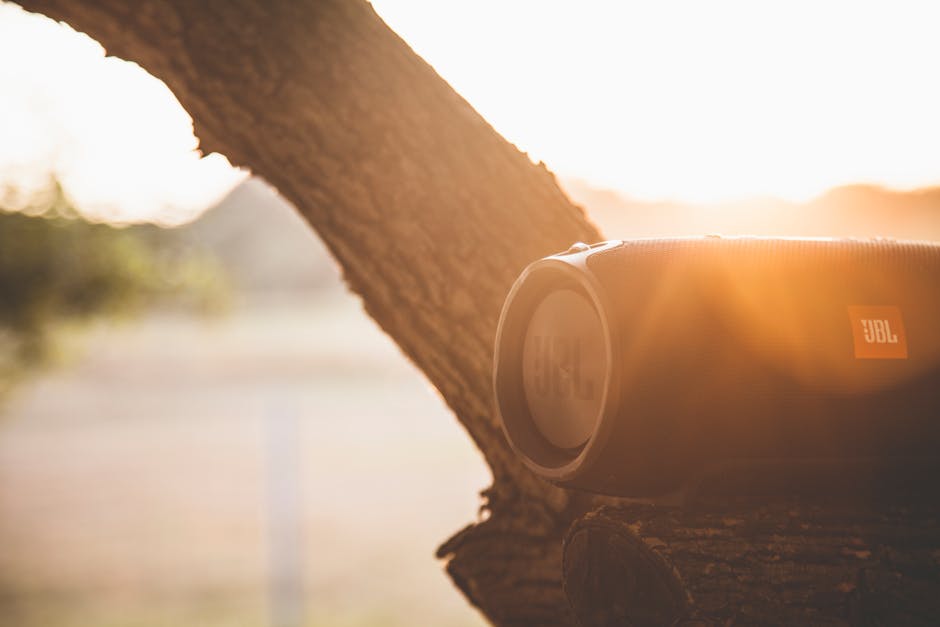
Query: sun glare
x: 693, y: 101
x: 113, y: 137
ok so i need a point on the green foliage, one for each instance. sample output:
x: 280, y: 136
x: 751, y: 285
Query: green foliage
x: 54, y: 269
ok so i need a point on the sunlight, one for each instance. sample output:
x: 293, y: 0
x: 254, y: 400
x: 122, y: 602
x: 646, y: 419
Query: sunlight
x: 115, y: 138
x: 659, y: 101
x: 698, y: 102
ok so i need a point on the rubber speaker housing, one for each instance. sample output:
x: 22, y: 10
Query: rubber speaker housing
x: 630, y: 367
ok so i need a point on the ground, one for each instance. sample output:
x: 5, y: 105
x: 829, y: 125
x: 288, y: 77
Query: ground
x: 180, y: 470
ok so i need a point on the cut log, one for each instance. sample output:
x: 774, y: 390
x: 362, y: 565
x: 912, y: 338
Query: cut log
x: 783, y: 562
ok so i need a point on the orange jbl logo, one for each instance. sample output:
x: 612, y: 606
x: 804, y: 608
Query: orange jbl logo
x: 878, y: 332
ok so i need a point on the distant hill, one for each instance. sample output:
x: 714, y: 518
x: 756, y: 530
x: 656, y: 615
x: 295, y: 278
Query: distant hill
x: 851, y: 211
x: 265, y: 246
x: 262, y: 242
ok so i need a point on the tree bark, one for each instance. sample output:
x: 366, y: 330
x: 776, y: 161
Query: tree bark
x: 431, y: 215
x: 785, y: 562
x: 429, y: 212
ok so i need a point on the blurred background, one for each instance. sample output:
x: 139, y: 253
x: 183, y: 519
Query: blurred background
x: 200, y: 426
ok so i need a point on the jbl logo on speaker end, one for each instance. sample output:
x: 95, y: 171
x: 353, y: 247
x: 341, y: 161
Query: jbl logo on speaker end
x: 878, y: 332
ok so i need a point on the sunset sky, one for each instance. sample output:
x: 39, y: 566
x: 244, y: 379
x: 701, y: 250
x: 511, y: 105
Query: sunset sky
x: 117, y: 139
x: 691, y: 101
x: 698, y: 101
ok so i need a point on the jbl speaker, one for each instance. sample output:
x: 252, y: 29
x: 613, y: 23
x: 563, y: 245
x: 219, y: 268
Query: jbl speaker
x: 628, y: 367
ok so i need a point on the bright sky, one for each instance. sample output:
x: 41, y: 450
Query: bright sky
x: 694, y: 101
x: 115, y: 138
x: 698, y: 101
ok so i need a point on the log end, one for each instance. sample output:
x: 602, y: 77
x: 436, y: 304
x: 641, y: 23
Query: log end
x: 612, y: 576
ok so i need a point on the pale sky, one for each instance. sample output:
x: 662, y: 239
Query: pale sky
x: 118, y: 141
x: 698, y: 101
x: 693, y: 101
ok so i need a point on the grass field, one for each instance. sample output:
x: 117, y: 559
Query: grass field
x: 284, y: 465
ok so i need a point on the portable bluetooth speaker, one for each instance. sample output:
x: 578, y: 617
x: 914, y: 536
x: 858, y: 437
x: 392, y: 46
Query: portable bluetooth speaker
x: 628, y: 367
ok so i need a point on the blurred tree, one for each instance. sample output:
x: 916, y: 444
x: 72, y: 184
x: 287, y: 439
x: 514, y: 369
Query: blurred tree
x: 431, y: 215
x: 55, y: 267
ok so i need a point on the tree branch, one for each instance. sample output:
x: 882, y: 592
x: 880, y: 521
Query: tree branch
x: 430, y: 213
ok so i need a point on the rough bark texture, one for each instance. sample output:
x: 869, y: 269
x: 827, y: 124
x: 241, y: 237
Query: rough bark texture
x: 432, y: 215
x: 782, y: 562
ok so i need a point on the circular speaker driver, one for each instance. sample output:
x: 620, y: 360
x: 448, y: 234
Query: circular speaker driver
x: 563, y: 368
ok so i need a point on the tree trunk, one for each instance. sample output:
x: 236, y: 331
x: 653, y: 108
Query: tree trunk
x: 431, y: 215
